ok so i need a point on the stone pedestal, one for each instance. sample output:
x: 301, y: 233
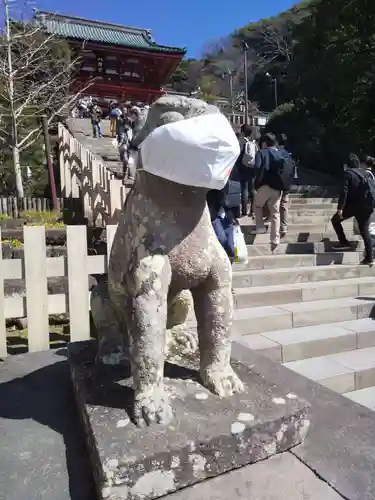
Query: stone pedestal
x: 208, y: 436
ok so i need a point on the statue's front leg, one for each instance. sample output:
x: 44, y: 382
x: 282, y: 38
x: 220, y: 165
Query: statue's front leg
x: 147, y: 330
x: 213, y: 304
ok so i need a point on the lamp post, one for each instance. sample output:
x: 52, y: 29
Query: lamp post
x: 230, y: 74
x: 245, y: 49
x: 275, y: 90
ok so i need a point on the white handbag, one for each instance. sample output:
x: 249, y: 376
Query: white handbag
x: 240, y: 248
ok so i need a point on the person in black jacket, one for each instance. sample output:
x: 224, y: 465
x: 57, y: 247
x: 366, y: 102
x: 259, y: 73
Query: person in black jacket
x: 352, y: 204
x: 284, y: 203
x: 249, y: 136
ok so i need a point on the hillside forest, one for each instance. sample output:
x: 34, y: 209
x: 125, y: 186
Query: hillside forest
x: 322, y: 55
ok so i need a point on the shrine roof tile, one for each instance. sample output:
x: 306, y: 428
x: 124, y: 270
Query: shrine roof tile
x: 94, y: 31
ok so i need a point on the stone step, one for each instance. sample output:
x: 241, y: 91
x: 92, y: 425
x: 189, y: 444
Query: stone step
x: 311, y: 341
x: 276, y: 262
x: 295, y: 199
x: 299, y: 217
x: 364, y: 397
x: 316, y: 219
x: 342, y: 372
x: 309, y: 247
x: 309, y: 194
x: 258, y: 249
x: 308, y: 191
x: 310, y: 212
x: 264, y: 277
x: 301, y: 227
x: 299, y: 314
x: 302, y: 259
x: 257, y: 296
x: 298, y: 237
x: 332, y: 207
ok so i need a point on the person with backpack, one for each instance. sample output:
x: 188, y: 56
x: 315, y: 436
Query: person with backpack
x: 124, y: 136
x: 367, y: 164
x: 246, y: 167
x: 274, y: 174
x: 96, y: 117
x: 284, y: 202
x: 114, y: 115
x: 357, y: 199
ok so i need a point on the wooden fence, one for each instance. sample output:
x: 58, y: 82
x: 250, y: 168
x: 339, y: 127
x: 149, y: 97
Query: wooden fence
x: 36, y: 303
x: 9, y: 206
x: 85, y: 177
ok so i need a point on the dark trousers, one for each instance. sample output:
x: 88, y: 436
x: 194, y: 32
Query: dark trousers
x: 247, y: 195
x: 363, y: 219
x: 224, y: 232
x: 96, y: 129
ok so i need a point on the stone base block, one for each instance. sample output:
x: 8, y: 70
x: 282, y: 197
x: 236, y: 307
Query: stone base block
x: 208, y: 436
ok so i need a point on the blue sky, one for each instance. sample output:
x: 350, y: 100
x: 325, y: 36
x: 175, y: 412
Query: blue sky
x: 183, y: 24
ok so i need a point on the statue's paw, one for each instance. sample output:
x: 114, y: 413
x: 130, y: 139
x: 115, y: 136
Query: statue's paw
x: 186, y: 340
x: 152, y: 408
x: 222, y: 383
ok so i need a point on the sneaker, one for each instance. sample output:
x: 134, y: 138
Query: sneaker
x: 259, y: 231
x: 366, y: 262
x: 274, y: 247
x: 283, y: 234
x: 342, y: 246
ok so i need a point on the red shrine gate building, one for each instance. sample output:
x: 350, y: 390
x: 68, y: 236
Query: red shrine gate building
x: 125, y: 63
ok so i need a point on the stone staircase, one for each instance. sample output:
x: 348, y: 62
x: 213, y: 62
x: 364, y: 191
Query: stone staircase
x: 309, y: 307
x: 81, y: 129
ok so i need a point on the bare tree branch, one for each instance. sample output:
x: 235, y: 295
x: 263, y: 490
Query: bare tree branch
x: 37, y: 73
x: 277, y: 43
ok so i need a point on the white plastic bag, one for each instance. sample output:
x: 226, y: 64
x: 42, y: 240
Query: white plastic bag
x: 132, y: 162
x: 199, y: 151
x: 240, y: 248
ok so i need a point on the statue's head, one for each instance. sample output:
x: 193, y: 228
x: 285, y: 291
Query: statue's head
x: 171, y: 108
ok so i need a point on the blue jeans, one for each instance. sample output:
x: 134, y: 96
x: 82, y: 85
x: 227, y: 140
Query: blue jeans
x: 224, y: 232
x: 97, y: 129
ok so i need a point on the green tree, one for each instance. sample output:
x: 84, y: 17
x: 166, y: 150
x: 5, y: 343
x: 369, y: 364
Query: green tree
x: 207, y: 88
x: 186, y: 76
x: 332, y: 81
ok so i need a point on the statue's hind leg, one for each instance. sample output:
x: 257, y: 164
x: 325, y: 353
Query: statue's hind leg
x: 181, y: 339
x: 111, y: 334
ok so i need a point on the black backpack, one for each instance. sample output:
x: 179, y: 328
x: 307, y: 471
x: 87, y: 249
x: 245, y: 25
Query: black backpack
x: 281, y: 173
x: 232, y: 192
x: 366, y: 189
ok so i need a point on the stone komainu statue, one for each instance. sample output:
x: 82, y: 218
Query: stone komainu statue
x: 166, y: 258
